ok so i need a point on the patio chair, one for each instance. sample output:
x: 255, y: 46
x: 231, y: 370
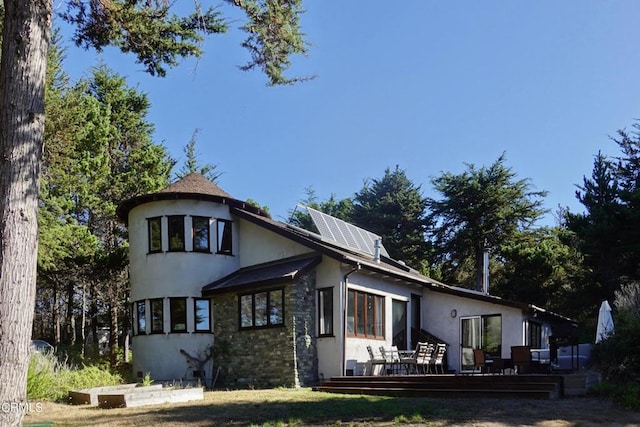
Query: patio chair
x: 392, y: 358
x: 376, y: 360
x: 521, y: 359
x: 438, y: 357
x: 481, y: 362
x: 422, y: 357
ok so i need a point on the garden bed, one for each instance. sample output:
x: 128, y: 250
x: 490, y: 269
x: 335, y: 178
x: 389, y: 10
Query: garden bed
x: 151, y: 395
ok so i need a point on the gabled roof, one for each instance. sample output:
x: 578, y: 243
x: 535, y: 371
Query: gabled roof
x: 387, y: 266
x: 192, y: 187
x: 269, y: 273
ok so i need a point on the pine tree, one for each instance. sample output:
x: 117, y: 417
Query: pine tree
x: 394, y: 208
x: 479, y: 209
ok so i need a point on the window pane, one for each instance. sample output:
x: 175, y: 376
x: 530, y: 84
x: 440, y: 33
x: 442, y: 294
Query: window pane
x: 225, y: 245
x: 370, y: 316
x: 201, y: 241
x: 492, y: 335
x: 142, y: 317
x: 260, y: 309
x: 325, y: 305
x: 202, y: 314
x: 351, y: 312
x: 157, y: 319
x: 176, y: 233
x: 155, y: 234
x: 275, y: 308
x: 379, y: 332
x: 246, y: 311
x: 178, y: 314
x: 360, y: 313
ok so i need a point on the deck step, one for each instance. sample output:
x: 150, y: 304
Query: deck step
x: 523, y: 386
x: 440, y: 392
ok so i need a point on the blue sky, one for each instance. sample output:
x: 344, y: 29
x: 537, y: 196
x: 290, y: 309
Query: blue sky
x: 425, y: 85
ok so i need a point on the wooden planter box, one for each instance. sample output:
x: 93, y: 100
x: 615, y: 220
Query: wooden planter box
x: 152, y: 395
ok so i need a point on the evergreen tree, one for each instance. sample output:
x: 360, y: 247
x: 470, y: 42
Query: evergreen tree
x: 607, y: 232
x: 192, y: 164
x: 340, y: 209
x: 394, y: 208
x: 479, y: 209
x: 539, y: 267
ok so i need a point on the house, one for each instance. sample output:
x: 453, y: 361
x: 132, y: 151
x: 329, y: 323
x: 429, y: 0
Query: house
x: 217, y: 283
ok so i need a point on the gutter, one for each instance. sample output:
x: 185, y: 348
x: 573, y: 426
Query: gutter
x: 345, y: 282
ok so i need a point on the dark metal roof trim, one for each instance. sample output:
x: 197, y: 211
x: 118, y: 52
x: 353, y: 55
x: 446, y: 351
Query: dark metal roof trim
x: 280, y: 271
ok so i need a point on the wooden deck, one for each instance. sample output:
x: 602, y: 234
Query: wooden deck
x: 450, y: 385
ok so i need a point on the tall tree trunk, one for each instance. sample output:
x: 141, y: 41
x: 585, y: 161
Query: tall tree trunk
x: 71, y: 323
x: 56, y: 314
x: 25, y: 41
x: 83, y: 324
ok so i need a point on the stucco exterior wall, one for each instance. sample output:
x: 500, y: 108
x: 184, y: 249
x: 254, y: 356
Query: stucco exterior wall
x: 258, y: 245
x: 155, y: 275
x: 356, y: 355
x: 159, y: 356
x: 173, y: 274
x: 439, y: 321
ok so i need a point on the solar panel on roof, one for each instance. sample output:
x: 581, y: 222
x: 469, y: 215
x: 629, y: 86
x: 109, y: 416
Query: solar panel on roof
x: 344, y: 233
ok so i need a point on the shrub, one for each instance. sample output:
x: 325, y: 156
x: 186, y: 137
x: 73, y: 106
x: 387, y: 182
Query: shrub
x: 50, y: 379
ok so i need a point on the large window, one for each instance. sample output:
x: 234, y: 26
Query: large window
x: 175, y: 224
x: 225, y: 241
x: 154, y: 227
x: 262, y: 309
x: 202, y: 313
x: 178, y: 314
x: 365, y: 315
x: 157, y: 315
x: 200, y: 232
x: 141, y: 317
x: 325, y: 311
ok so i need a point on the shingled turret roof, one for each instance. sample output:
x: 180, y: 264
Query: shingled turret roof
x: 192, y: 187
x: 196, y: 184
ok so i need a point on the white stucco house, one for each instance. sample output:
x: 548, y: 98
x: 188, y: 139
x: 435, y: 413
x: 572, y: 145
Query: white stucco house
x: 277, y: 305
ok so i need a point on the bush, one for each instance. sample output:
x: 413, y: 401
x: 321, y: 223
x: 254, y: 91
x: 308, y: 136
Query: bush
x: 50, y: 379
x: 626, y: 395
x: 618, y: 356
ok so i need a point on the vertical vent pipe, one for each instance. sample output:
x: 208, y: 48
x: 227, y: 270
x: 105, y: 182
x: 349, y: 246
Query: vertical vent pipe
x: 376, y: 250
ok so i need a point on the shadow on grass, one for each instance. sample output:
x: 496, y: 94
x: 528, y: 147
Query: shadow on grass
x: 354, y: 410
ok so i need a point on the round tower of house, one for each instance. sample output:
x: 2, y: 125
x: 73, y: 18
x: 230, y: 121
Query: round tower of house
x: 180, y: 239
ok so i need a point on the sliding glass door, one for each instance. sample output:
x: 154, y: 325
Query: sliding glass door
x: 480, y: 332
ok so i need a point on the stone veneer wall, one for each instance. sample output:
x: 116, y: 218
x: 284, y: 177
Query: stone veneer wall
x: 268, y: 357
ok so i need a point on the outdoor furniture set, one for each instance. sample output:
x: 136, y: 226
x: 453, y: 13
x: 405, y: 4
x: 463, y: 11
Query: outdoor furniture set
x: 425, y: 359
x: 521, y: 362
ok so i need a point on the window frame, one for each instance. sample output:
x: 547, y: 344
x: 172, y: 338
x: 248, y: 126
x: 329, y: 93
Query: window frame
x: 152, y: 302
x: 325, y: 311
x: 172, y: 316
x: 534, y: 334
x: 171, y: 227
x: 150, y: 221
x: 224, y: 236
x: 195, y: 315
x: 361, y: 321
x: 137, y: 305
x: 207, y: 220
x: 268, y: 305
